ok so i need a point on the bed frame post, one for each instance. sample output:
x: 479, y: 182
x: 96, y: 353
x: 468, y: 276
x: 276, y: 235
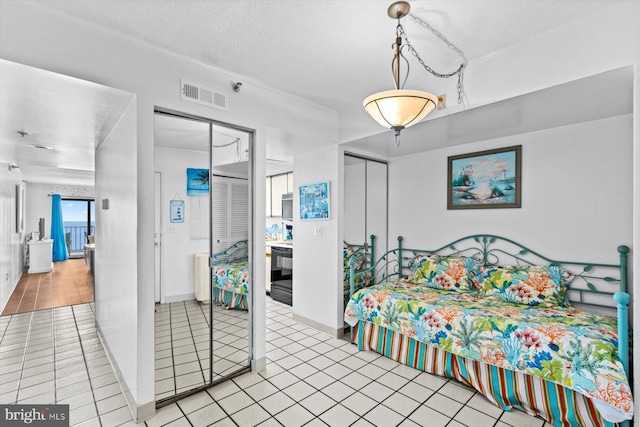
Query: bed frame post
x: 352, y: 273
x: 623, y: 299
x: 400, y: 239
x: 372, y: 258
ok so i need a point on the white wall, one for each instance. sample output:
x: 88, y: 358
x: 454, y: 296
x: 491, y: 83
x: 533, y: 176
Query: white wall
x: 11, y: 243
x: 37, y: 37
x: 317, y: 260
x: 177, y: 248
x: 117, y: 299
x: 576, y: 194
x: 38, y: 206
x: 39, y: 202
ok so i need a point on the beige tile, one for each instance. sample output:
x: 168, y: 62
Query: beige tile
x: 206, y: 416
x: 250, y: 416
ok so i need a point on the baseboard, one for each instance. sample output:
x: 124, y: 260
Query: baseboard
x: 336, y: 333
x: 258, y: 365
x: 178, y: 298
x: 139, y: 413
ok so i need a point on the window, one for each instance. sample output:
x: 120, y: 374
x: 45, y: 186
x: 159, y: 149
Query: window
x: 79, y: 223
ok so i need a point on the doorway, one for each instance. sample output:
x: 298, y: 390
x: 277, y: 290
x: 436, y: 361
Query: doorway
x: 79, y: 220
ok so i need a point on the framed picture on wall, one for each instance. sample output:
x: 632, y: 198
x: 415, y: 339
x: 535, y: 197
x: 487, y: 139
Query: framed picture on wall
x: 197, y: 182
x: 485, y: 179
x: 176, y: 210
x: 314, y: 201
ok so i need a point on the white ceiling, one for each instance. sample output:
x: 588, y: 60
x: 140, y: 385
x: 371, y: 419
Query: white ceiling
x: 73, y: 116
x: 332, y: 52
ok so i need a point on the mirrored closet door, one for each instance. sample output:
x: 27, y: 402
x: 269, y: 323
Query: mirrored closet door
x: 203, y: 211
x: 365, y: 202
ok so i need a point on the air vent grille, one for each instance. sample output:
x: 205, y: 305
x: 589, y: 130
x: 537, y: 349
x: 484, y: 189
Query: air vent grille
x: 199, y: 94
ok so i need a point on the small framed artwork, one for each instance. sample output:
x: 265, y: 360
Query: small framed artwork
x: 314, y: 201
x: 176, y: 210
x: 485, y: 179
x: 197, y: 182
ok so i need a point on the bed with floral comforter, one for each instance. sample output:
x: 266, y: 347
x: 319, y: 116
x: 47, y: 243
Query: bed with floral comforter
x: 509, y: 331
x: 231, y: 285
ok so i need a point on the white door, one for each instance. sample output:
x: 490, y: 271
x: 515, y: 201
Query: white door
x: 156, y: 236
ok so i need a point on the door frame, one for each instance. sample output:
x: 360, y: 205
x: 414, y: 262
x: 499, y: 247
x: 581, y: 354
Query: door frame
x: 157, y: 237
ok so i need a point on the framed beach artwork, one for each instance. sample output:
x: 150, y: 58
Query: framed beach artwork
x: 197, y: 182
x: 485, y: 179
x: 314, y: 201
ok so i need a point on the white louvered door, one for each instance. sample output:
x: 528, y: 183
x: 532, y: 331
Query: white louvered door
x: 230, y: 212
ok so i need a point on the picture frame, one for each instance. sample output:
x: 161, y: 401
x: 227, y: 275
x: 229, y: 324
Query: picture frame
x: 176, y: 211
x: 315, y: 201
x: 490, y: 179
x: 197, y: 182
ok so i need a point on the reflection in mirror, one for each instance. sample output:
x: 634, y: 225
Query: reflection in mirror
x: 365, y: 201
x: 182, y: 309
x: 202, y: 213
x: 230, y: 210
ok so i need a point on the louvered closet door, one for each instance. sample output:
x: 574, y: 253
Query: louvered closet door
x: 230, y: 211
x: 219, y: 213
x: 239, y: 221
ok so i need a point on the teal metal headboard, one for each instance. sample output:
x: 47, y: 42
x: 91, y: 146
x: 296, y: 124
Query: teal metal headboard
x: 591, y: 279
x: 237, y: 252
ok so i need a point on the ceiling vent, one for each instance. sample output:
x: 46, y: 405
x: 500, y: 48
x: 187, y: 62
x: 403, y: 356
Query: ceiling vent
x: 194, y: 92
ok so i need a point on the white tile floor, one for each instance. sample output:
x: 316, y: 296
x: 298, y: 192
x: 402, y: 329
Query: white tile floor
x: 311, y: 379
x: 182, y: 345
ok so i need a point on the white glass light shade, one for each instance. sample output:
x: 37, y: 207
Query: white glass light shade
x: 399, y: 109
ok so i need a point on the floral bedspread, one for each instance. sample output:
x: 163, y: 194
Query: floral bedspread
x: 575, y: 348
x: 232, y: 277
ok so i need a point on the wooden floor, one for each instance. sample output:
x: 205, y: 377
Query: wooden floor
x: 70, y: 283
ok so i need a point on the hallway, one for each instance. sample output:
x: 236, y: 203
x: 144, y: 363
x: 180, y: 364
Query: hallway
x: 70, y: 283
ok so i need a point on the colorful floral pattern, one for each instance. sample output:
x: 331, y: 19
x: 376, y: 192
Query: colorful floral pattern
x: 232, y: 277
x: 530, y: 285
x: 449, y: 273
x: 360, y: 279
x: 574, y: 348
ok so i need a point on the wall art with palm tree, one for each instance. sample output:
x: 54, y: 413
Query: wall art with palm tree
x: 197, y: 182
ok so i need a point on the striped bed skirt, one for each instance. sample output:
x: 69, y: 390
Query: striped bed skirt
x: 558, y: 405
x: 229, y: 300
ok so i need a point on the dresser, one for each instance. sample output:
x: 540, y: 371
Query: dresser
x: 40, y: 257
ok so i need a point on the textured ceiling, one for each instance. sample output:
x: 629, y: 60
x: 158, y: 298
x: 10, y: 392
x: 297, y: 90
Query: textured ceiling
x: 333, y: 52
x: 70, y: 115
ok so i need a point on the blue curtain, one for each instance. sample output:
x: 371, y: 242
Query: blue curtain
x: 57, y: 230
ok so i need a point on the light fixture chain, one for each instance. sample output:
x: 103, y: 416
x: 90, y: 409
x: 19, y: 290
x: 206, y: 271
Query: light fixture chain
x: 441, y: 36
x: 459, y: 72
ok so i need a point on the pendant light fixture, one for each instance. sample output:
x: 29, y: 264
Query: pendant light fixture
x: 400, y: 108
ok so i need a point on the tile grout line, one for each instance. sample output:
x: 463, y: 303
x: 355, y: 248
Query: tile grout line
x: 24, y: 356
x: 84, y: 358
x: 204, y: 381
